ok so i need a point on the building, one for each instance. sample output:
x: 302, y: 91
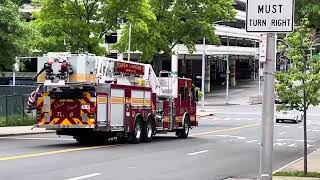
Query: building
x: 240, y: 47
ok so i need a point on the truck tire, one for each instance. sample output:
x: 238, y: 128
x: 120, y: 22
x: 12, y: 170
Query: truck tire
x: 136, y: 135
x: 184, y: 133
x: 147, y: 131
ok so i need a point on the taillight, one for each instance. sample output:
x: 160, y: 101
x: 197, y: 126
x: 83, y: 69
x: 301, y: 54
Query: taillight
x: 92, y: 108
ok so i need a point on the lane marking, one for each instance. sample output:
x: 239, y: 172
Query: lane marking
x: 27, y: 138
x: 230, y: 136
x: 51, y: 152
x: 310, y: 145
x: 225, y: 130
x: 283, y: 133
x: 293, y: 145
x: 252, y: 141
x: 195, y: 153
x: 85, y: 176
x: 285, y: 126
x: 311, y: 141
x: 279, y: 144
x: 99, y: 147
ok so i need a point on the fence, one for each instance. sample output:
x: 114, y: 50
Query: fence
x: 13, y: 111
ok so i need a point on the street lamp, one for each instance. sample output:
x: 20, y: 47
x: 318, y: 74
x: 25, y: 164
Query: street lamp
x: 203, y: 73
x: 129, y: 42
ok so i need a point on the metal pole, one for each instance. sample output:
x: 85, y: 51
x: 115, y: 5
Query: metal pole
x: 129, y: 42
x: 254, y: 61
x: 259, y: 78
x: 268, y: 111
x: 227, y: 74
x: 13, y: 78
x: 203, y: 73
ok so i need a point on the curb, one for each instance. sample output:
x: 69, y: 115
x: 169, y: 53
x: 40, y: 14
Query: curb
x: 29, y: 133
x: 290, y: 163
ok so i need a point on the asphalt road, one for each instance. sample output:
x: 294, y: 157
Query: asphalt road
x: 223, y: 146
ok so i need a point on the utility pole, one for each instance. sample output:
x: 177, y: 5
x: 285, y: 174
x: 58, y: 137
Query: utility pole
x: 203, y: 73
x: 227, y: 74
x: 268, y: 110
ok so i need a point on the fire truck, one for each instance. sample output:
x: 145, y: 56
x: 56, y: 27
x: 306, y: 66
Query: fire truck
x: 95, y: 98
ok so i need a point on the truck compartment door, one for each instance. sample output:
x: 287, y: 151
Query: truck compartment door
x: 117, y: 107
x: 102, y: 110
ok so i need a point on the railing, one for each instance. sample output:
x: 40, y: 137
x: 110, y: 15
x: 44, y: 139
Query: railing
x: 13, y: 111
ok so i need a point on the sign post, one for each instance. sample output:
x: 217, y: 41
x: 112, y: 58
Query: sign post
x: 268, y: 16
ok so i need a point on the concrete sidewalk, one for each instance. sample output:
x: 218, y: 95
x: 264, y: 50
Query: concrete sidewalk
x: 22, y: 130
x: 239, y: 95
x: 313, y: 166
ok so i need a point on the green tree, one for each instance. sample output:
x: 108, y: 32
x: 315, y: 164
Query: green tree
x: 299, y: 87
x: 14, y: 34
x: 177, y: 22
x: 80, y: 25
x: 309, y: 9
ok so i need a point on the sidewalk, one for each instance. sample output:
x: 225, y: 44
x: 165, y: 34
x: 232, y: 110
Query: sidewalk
x: 22, y: 130
x: 313, y: 166
x: 239, y: 95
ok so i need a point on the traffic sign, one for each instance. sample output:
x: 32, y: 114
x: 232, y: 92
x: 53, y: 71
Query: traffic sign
x: 270, y: 15
x: 263, y: 48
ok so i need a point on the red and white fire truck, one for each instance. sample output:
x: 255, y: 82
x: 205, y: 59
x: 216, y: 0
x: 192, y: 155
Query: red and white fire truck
x: 95, y: 98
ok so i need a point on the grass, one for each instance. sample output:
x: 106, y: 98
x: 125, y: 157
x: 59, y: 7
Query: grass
x: 298, y: 174
x: 17, y: 120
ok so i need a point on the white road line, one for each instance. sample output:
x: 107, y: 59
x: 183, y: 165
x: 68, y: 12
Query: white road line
x: 252, y: 141
x: 276, y: 125
x: 238, y: 119
x: 285, y: 126
x: 85, y: 176
x: 226, y: 119
x: 283, y: 133
x: 238, y: 137
x: 27, y: 138
x: 300, y: 127
x: 293, y: 145
x: 310, y: 145
x: 315, y: 130
x: 279, y: 144
x: 311, y: 141
x: 195, y: 153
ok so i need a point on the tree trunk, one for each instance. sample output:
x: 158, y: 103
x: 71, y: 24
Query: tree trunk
x: 305, y: 141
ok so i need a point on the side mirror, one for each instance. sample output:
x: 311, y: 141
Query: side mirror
x: 197, y: 95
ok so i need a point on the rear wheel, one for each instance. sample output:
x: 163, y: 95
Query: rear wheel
x: 136, y: 135
x: 147, y: 132
x: 184, y: 133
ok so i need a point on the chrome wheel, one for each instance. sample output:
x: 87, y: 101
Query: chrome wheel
x: 149, y: 130
x: 137, y: 131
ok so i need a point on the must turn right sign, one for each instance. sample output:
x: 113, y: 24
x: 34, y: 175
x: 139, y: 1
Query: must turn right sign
x: 270, y: 15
